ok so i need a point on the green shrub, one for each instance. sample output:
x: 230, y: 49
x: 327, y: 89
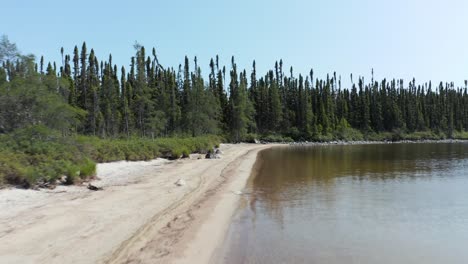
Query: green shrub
x: 39, y: 154
x: 185, y: 152
x: 325, y: 138
x: 250, y: 138
x: 350, y: 134
x: 463, y: 135
x: 87, y: 168
x: 423, y: 135
x: 276, y: 138
x: 72, y: 173
x: 11, y: 169
x: 382, y: 136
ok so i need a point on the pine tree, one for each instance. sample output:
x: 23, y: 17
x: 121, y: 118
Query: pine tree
x: 241, y: 109
x: 275, y: 111
x: 154, y: 101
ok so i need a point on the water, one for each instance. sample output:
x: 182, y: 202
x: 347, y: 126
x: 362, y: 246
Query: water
x: 395, y: 203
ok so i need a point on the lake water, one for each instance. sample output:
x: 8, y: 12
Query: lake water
x: 381, y: 203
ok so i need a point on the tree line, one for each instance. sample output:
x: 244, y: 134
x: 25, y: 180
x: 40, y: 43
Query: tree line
x: 89, y: 96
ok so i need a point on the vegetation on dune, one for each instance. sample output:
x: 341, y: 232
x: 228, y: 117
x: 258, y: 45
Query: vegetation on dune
x: 48, y: 129
x: 58, y: 121
x: 106, y: 150
x: 38, y: 154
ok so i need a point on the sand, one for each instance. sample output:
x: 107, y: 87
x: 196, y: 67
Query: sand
x: 140, y: 216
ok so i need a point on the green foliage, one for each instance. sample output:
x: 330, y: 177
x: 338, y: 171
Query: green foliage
x: 399, y: 135
x: 39, y: 154
x: 87, y: 168
x: 151, y: 111
x: 463, y: 135
x: 276, y: 138
x: 29, y: 101
x: 345, y: 132
x: 85, y: 96
x: 324, y: 138
x: 250, y: 138
x: 107, y: 150
x: 350, y: 134
x: 241, y: 109
x: 12, y: 169
x: 382, y: 136
x: 423, y: 135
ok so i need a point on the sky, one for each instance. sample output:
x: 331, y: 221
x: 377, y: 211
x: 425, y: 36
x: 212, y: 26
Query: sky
x: 424, y: 39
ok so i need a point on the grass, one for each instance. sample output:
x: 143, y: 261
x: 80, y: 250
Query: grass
x: 38, y: 154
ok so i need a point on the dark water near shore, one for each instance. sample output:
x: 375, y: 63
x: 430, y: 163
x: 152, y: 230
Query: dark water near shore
x: 395, y: 203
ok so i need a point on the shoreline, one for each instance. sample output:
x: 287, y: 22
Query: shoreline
x: 367, y: 142
x: 141, y: 215
x: 201, y: 248
x: 225, y: 244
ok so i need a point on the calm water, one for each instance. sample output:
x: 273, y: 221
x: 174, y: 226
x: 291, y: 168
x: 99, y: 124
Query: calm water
x: 396, y: 203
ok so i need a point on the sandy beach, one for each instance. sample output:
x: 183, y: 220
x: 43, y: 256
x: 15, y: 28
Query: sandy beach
x: 140, y: 216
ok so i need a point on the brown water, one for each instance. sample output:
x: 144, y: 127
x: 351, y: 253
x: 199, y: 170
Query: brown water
x: 395, y: 203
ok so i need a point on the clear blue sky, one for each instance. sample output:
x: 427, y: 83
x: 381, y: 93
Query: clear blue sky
x: 425, y: 39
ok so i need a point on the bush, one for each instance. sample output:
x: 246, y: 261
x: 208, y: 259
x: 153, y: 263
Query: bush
x: 250, y: 138
x: 460, y: 135
x: 276, y: 138
x: 345, y: 132
x: 11, y: 169
x: 87, y: 168
x: 37, y: 153
x: 382, y: 136
x: 423, y: 135
x: 324, y: 138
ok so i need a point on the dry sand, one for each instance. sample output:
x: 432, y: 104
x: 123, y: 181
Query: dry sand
x: 141, y: 216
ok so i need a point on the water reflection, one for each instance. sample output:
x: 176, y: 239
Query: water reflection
x: 355, y: 204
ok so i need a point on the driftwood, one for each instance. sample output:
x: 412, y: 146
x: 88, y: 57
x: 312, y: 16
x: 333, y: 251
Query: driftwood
x: 94, y: 188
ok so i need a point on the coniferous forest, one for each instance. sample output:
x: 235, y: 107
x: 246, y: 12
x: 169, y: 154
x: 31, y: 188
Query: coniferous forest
x: 85, y: 95
x: 150, y: 100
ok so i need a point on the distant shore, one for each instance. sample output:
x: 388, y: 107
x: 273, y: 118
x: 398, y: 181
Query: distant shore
x: 141, y: 215
x: 363, y: 142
